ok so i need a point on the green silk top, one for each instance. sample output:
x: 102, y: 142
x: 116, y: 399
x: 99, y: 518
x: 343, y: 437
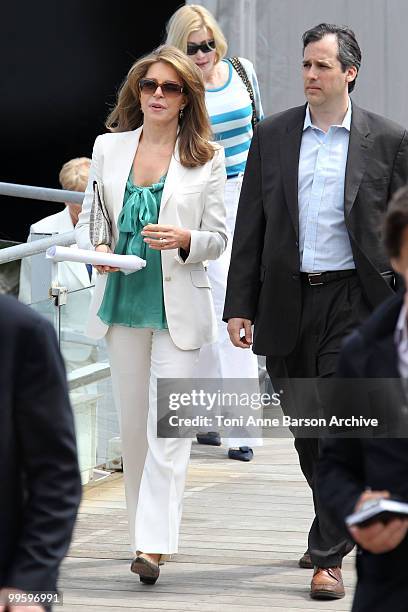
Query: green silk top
x: 136, y: 300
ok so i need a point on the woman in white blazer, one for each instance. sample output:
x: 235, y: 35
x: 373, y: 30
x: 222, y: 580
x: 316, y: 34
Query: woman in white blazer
x: 163, y: 184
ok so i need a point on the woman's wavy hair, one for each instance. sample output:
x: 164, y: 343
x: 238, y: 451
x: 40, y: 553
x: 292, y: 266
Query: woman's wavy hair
x: 194, y: 126
x: 191, y: 18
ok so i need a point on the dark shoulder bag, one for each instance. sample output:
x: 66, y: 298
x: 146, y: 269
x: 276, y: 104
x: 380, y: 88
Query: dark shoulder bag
x: 244, y: 77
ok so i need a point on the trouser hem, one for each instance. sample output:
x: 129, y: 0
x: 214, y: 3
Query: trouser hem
x: 325, y: 562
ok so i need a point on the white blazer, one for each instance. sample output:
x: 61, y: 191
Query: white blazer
x: 192, y: 198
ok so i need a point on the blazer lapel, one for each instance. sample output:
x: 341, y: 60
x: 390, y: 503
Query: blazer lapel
x: 359, y: 146
x: 174, y: 178
x: 121, y: 161
x: 290, y: 150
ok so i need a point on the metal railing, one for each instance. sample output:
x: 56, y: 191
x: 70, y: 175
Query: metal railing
x: 45, y: 194
x: 41, y: 193
x: 34, y: 248
x: 89, y: 385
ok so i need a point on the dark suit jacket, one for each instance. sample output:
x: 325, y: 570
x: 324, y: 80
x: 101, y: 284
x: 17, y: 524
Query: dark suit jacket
x: 40, y: 480
x: 264, y: 281
x: 348, y: 466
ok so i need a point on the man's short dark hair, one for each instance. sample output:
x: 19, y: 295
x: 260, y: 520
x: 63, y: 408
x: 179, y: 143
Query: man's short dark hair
x: 349, y: 53
x: 396, y: 220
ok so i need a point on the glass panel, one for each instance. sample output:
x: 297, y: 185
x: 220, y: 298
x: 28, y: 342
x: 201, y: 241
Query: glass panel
x: 36, y: 275
x: 9, y: 272
x: 86, y: 362
x: 47, y: 309
x: 90, y: 386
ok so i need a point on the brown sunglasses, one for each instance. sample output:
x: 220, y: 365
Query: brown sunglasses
x: 169, y: 88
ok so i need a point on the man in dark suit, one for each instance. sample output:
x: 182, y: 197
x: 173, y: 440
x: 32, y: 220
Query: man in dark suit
x: 40, y: 480
x: 307, y: 261
x: 352, y: 471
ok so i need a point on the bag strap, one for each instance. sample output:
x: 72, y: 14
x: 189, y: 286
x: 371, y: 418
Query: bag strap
x: 242, y: 73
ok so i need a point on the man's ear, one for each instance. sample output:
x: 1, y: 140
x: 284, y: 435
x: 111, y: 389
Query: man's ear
x: 351, y: 74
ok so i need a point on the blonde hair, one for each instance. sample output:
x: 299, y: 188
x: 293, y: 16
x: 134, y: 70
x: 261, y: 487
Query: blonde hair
x: 191, y: 18
x: 74, y: 174
x: 195, y: 132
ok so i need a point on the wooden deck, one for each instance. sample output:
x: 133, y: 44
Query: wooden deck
x: 244, y: 527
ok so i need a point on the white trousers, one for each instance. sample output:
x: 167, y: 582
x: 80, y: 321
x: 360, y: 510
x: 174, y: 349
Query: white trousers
x: 155, y: 469
x: 222, y: 359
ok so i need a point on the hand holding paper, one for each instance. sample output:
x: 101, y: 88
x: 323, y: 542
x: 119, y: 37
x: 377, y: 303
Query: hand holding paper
x: 126, y: 263
x: 104, y: 248
x: 378, y: 524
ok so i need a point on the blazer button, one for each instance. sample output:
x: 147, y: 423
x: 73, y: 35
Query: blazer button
x: 295, y: 276
x: 167, y: 278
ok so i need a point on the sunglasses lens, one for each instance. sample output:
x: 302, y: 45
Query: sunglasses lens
x: 206, y: 47
x: 210, y: 44
x: 148, y: 86
x: 171, y: 89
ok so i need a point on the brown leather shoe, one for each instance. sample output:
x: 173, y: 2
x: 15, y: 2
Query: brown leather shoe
x: 327, y: 583
x: 305, y: 561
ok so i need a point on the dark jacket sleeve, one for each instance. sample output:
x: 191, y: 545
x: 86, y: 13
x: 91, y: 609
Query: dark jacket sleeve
x: 340, y: 478
x: 46, y: 438
x: 399, y: 177
x: 340, y: 475
x: 244, y: 273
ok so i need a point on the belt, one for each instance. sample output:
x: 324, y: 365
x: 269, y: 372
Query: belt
x: 322, y: 278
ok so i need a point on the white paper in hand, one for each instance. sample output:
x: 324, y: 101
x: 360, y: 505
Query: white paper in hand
x: 375, y: 510
x: 126, y: 263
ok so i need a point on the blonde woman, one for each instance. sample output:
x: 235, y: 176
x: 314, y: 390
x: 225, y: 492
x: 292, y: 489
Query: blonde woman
x: 163, y: 184
x: 234, y: 108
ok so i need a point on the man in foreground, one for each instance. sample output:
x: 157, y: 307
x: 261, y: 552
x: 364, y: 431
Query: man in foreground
x: 40, y: 480
x: 351, y: 472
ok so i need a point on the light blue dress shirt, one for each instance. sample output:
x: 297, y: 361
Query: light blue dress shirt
x: 324, y: 243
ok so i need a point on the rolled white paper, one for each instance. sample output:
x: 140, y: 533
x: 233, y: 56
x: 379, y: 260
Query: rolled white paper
x: 126, y: 263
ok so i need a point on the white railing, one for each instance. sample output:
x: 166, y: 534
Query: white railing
x: 91, y: 396
x: 19, y: 251
x: 48, y: 195
x: 41, y: 193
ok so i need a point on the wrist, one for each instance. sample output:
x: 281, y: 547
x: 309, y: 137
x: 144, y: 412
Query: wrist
x: 186, y: 241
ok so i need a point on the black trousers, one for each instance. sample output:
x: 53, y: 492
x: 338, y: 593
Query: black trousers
x: 329, y: 313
